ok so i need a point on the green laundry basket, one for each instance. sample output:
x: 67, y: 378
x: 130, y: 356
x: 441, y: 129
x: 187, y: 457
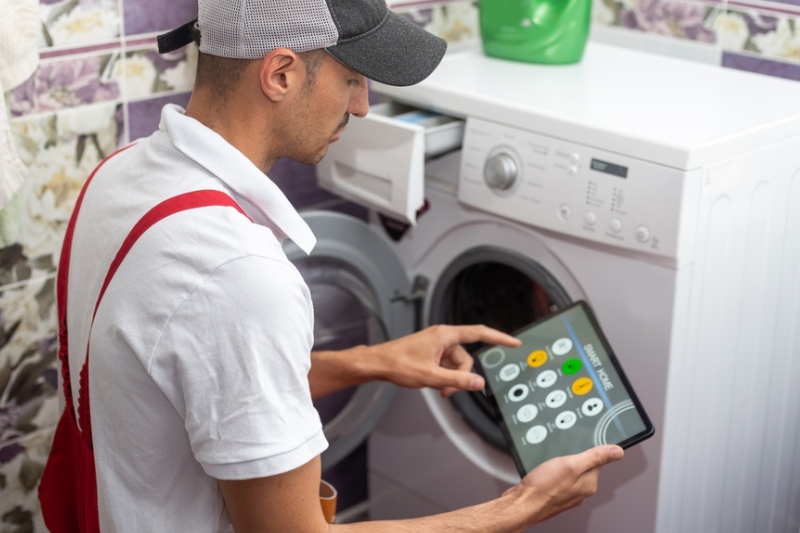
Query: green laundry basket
x: 536, y: 31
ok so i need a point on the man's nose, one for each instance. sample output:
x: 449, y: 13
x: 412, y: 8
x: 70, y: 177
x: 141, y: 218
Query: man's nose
x: 359, y: 99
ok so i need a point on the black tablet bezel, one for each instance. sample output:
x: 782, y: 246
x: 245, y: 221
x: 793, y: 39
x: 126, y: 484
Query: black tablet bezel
x: 645, y: 434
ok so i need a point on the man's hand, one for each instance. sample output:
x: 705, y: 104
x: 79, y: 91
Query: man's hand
x: 432, y: 357
x: 564, y: 482
x: 435, y: 358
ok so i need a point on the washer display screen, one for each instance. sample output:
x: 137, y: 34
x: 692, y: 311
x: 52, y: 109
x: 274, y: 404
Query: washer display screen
x: 562, y: 391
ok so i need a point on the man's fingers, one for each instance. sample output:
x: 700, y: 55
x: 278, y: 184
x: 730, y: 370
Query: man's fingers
x: 601, y: 455
x: 475, y: 333
x: 451, y: 381
x: 457, y: 359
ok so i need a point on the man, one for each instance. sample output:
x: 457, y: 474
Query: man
x: 201, y: 381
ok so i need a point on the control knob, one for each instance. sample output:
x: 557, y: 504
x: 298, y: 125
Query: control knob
x: 500, y: 171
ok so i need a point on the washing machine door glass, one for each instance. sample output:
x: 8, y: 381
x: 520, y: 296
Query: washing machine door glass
x: 353, y: 277
x: 503, y: 290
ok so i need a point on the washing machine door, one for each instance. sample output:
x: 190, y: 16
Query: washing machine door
x: 504, y: 290
x: 358, y: 288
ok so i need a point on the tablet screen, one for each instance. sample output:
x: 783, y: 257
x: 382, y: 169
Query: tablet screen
x: 562, y: 391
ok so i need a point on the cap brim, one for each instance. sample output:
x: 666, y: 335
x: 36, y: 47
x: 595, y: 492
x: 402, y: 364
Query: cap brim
x: 398, y: 53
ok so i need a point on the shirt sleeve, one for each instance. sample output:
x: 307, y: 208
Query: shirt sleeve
x: 234, y: 361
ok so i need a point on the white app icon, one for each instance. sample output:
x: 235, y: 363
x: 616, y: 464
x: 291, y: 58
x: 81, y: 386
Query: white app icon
x: 536, y: 434
x: 556, y: 399
x: 518, y: 392
x: 546, y: 378
x: 493, y: 357
x: 592, y: 406
x: 527, y: 413
x: 509, y: 372
x: 562, y: 346
x: 566, y: 419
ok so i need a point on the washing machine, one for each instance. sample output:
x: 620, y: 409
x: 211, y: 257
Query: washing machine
x: 664, y: 193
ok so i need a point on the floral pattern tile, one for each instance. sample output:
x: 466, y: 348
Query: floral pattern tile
x: 70, y: 23
x: 679, y: 19
x: 66, y: 83
x: 768, y: 34
x: 455, y: 22
x: 21, y: 466
x: 60, y: 151
x: 28, y: 359
x: 145, y: 73
x: 147, y: 16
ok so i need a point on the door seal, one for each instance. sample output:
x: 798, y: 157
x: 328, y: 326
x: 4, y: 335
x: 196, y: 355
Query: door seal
x: 419, y: 290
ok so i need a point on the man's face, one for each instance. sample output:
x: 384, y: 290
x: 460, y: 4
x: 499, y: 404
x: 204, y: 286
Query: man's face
x: 323, y: 108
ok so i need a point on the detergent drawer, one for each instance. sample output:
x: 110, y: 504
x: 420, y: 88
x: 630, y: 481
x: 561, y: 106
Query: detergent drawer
x: 379, y: 160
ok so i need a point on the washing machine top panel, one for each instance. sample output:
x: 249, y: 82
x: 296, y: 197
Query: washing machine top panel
x: 660, y: 109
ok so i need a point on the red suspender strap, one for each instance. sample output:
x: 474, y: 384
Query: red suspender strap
x: 68, y: 488
x: 182, y: 202
x: 61, y: 284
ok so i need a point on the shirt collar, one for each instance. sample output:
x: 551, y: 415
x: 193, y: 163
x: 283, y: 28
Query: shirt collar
x: 266, y: 204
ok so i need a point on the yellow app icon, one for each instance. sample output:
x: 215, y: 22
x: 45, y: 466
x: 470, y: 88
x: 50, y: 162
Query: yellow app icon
x: 582, y: 386
x: 537, y: 358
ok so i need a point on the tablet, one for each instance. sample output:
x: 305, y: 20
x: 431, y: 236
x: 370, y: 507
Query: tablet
x: 562, y: 391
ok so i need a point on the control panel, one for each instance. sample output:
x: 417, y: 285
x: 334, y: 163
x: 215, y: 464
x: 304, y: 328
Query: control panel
x: 571, y: 188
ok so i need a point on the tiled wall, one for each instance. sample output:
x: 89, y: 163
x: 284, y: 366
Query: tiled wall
x: 100, y: 84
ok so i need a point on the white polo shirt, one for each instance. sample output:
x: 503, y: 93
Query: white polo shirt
x: 200, y: 348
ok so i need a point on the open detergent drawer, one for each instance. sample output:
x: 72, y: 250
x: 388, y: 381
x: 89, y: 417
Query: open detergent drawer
x: 379, y: 160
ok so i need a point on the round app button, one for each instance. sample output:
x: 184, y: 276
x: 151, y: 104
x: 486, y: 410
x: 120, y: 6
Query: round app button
x: 518, y: 392
x: 537, y: 358
x: 509, y: 372
x: 536, y: 434
x: 556, y: 399
x: 527, y: 413
x: 562, y: 346
x: 493, y: 357
x: 571, y: 366
x: 566, y: 420
x: 592, y: 406
x: 546, y: 378
x: 582, y: 386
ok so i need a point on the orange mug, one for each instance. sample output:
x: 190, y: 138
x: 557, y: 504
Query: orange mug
x: 327, y: 499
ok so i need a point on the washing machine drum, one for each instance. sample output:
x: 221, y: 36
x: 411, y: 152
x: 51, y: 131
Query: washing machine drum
x: 500, y: 289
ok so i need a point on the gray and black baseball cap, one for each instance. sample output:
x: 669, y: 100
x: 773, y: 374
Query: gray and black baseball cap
x: 363, y: 34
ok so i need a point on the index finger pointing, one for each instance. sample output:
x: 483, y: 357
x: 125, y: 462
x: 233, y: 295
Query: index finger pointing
x: 479, y: 332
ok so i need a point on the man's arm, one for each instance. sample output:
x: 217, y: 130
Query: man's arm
x: 289, y: 502
x: 432, y: 357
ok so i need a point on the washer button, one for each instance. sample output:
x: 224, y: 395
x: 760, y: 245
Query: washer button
x: 615, y: 225
x: 574, y: 157
x: 574, y: 170
x: 564, y: 212
x: 590, y: 218
x: 642, y: 234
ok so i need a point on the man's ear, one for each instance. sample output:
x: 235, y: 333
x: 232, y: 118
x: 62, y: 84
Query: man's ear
x: 281, y: 71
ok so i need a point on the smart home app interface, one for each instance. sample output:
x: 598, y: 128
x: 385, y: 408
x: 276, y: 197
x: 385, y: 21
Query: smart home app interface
x: 559, y: 392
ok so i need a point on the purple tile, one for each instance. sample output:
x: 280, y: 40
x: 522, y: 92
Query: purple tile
x: 144, y: 115
x: 65, y: 83
x: 299, y: 183
x: 684, y: 20
x: 790, y: 71
x: 789, y: 2
x: 147, y: 16
x: 349, y: 208
x: 776, y: 6
x: 349, y: 476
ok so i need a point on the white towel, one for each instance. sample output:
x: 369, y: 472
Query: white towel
x: 19, y: 57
